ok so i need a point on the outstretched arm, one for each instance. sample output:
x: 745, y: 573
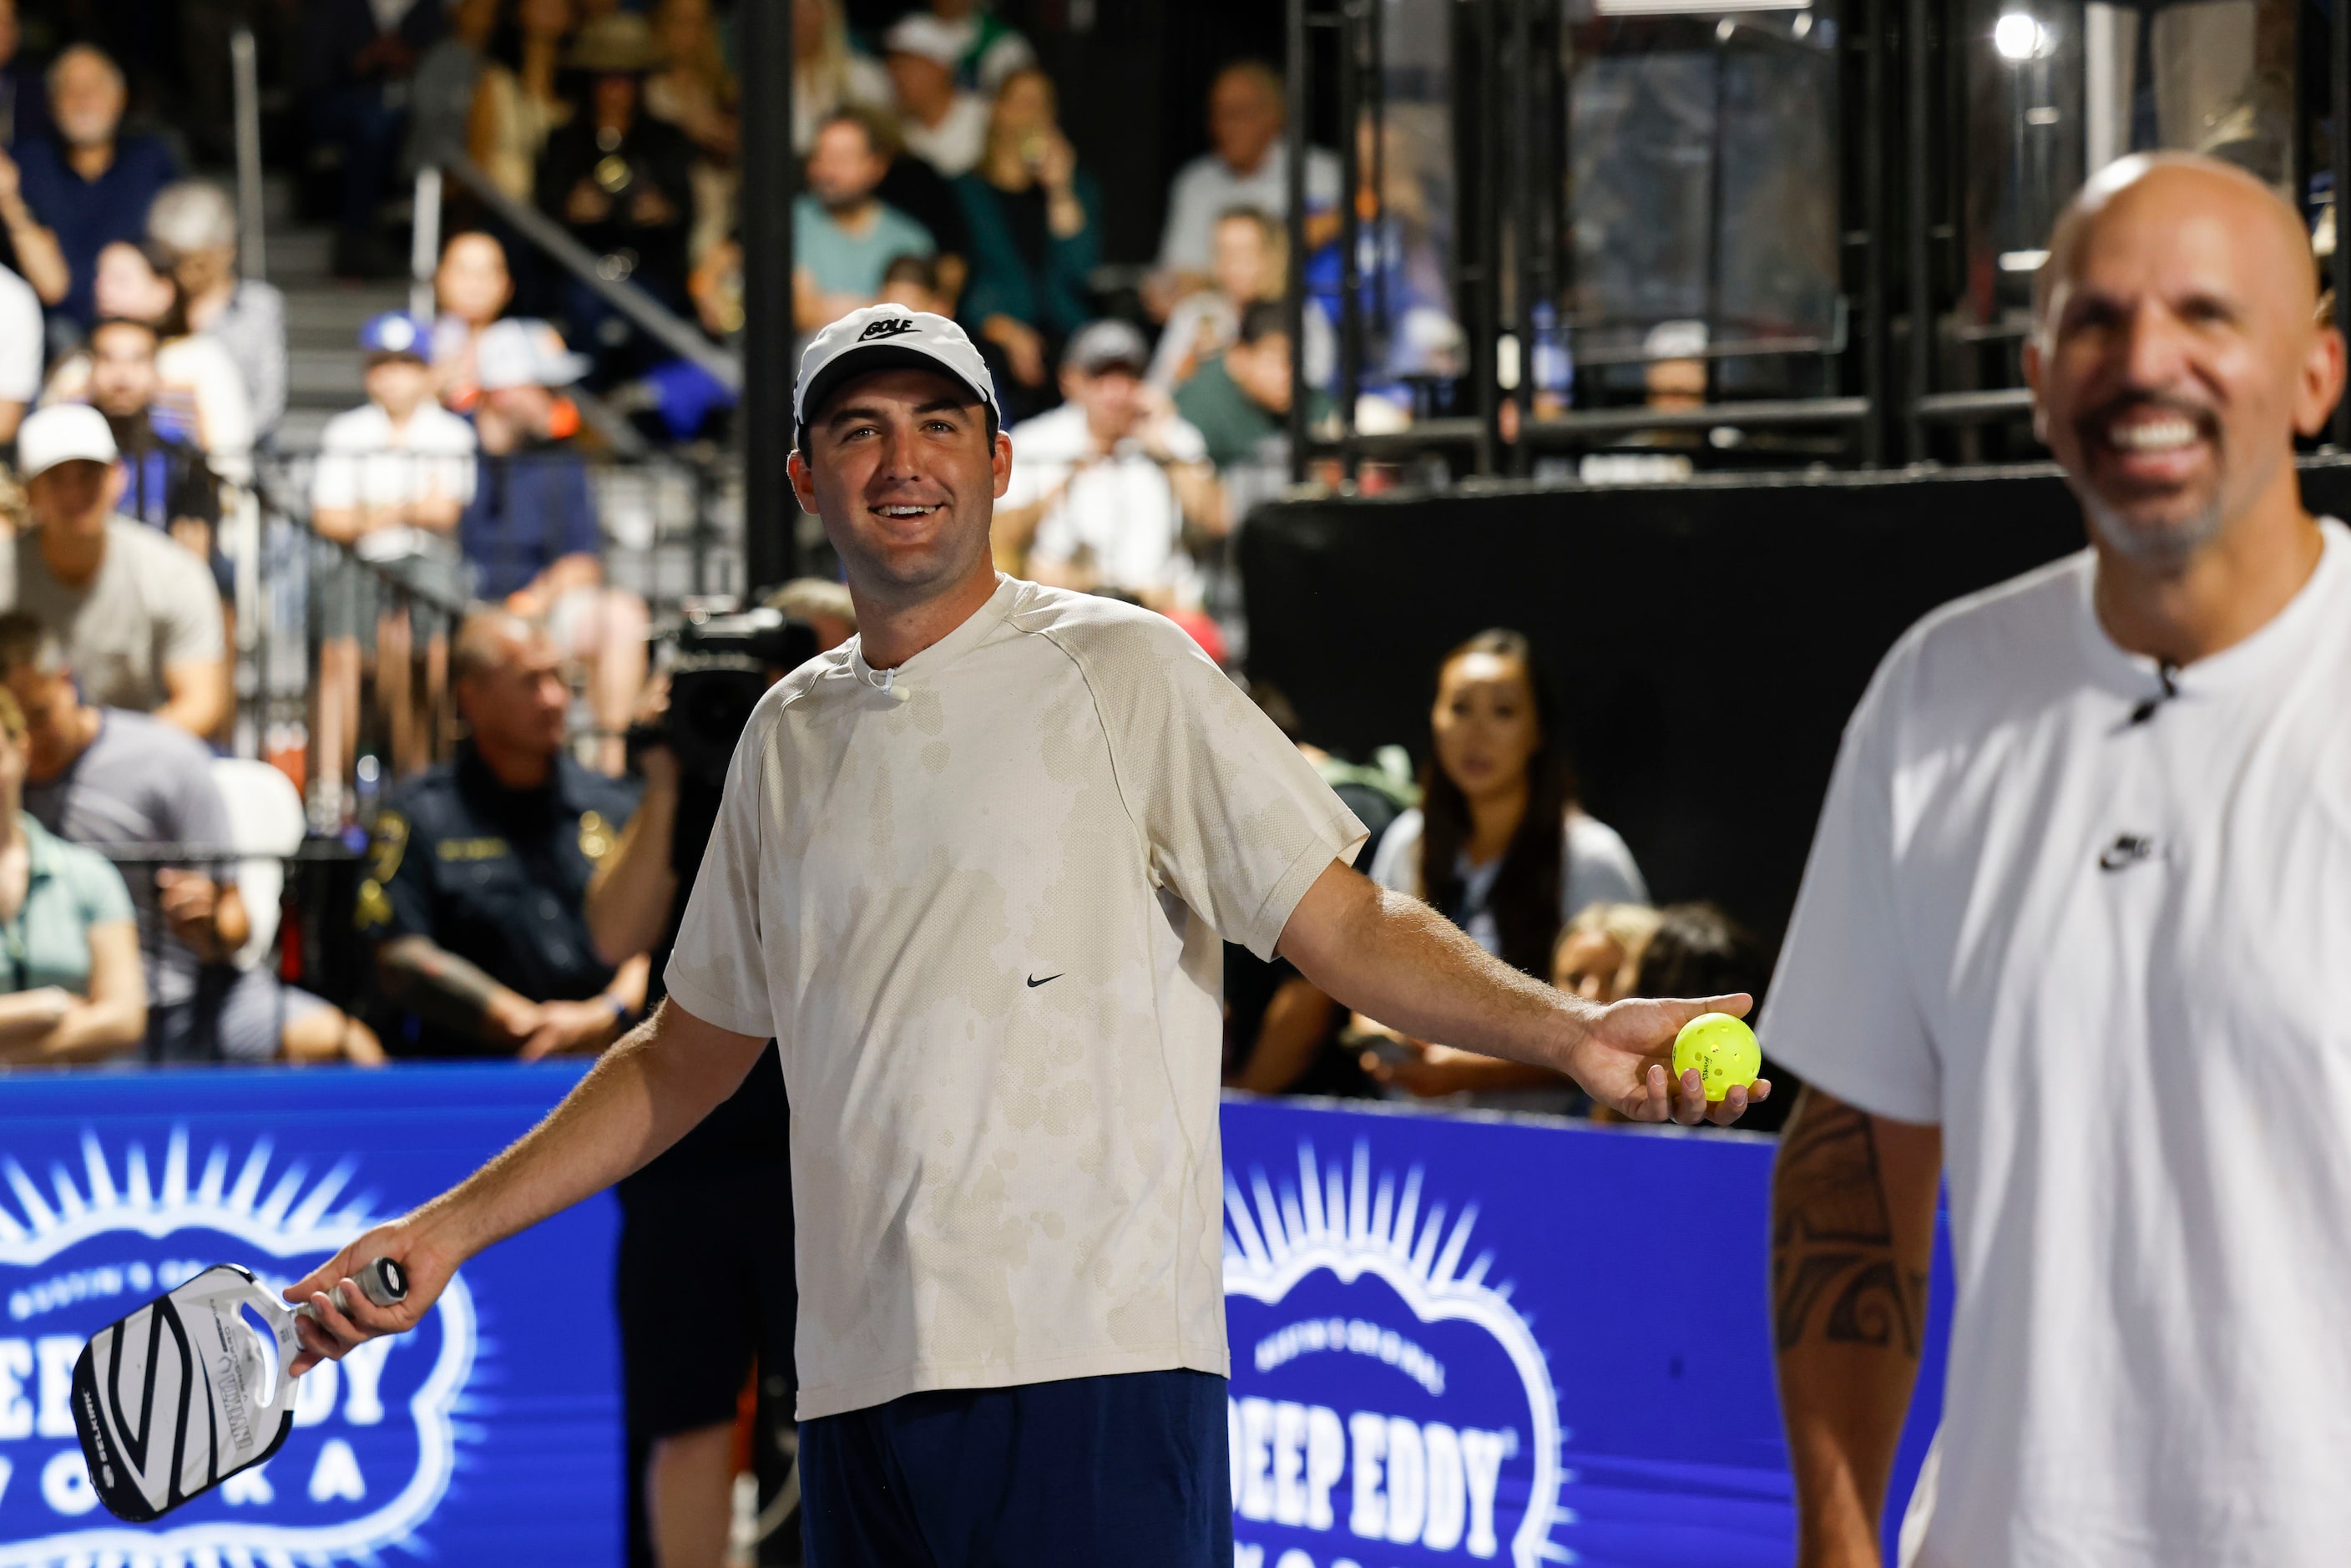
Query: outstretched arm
x: 1852, y: 1235
x: 644, y: 1094
x: 1395, y: 959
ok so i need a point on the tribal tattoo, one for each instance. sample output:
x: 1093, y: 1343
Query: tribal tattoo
x: 1836, y: 1276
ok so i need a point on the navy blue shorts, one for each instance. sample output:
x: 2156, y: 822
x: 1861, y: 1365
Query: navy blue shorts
x: 1128, y: 1470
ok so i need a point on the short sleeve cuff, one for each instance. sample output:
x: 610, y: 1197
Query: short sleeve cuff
x: 1341, y: 838
x: 689, y: 993
x: 1854, y: 1084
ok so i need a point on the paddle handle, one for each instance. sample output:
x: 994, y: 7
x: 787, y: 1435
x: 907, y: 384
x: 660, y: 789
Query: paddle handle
x: 384, y: 1281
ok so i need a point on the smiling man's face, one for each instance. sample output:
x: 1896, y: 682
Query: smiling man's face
x: 900, y: 466
x: 2177, y: 356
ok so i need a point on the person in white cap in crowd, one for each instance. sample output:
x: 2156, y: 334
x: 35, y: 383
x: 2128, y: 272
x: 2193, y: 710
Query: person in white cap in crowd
x: 22, y: 350
x: 138, y: 612
x: 392, y: 477
x: 969, y: 875
x: 992, y: 48
x: 530, y: 534
x: 942, y: 123
x: 1103, y: 485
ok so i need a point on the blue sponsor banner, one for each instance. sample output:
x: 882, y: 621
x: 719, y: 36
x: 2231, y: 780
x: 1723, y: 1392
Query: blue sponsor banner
x: 1460, y: 1339
x: 490, y: 1436
x: 1454, y: 1339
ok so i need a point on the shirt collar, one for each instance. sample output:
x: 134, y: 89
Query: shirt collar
x: 2240, y: 662
x: 927, y: 664
x: 41, y: 846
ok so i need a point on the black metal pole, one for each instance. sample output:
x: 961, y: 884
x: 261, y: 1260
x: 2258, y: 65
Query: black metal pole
x: 1488, y: 328
x: 1920, y: 379
x: 1351, y: 232
x: 2339, y: 25
x: 1376, y: 104
x: 1293, y: 296
x: 1523, y: 223
x: 1875, y: 359
x: 771, y: 175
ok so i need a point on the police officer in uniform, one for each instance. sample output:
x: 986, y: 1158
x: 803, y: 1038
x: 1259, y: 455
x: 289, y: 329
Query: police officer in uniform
x: 479, y: 870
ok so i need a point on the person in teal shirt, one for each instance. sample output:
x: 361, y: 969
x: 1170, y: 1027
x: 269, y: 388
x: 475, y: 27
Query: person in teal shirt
x: 844, y: 237
x: 1035, y: 226
x: 1237, y: 399
x: 72, y: 987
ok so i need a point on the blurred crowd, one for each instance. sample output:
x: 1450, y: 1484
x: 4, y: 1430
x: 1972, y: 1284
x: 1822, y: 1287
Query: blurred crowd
x: 460, y: 584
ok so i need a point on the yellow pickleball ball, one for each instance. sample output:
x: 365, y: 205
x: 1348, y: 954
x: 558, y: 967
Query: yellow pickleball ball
x: 1722, y: 1049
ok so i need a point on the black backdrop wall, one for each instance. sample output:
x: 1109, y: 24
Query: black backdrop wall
x: 1708, y: 640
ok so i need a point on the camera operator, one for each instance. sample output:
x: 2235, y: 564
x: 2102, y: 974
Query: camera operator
x: 699, y: 1304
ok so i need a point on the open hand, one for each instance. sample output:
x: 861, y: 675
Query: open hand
x: 334, y: 1333
x: 1624, y: 1061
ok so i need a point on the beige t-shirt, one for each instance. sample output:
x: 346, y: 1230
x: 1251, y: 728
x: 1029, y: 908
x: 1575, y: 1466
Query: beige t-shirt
x: 151, y: 605
x: 980, y: 910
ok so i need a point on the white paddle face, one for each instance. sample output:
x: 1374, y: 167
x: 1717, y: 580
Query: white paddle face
x: 184, y: 1392
x: 181, y: 1394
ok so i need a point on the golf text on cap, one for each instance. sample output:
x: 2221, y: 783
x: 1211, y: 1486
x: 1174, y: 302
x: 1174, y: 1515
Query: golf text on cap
x: 881, y: 336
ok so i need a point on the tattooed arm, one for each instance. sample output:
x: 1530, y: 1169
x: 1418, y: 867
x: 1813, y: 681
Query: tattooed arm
x: 1853, y: 1231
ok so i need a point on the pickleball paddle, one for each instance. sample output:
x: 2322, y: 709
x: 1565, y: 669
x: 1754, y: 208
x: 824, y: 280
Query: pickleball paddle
x: 175, y: 1398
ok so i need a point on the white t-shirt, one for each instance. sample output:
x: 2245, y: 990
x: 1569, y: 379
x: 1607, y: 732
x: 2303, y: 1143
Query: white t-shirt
x: 364, y: 461
x: 1595, y: 867
x: 980, y: 910
x: 953, y: 146
x: 1206, y: 186
x: 21, y: 341
x: 2108, y: 957
x: 1120, y: 511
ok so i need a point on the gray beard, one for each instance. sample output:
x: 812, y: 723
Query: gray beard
x: 2163, y: 547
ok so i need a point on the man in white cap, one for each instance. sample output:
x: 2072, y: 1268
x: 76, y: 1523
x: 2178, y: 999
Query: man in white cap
x: 940, y: 123
x: 1103, y: 485
x: 529, y: 532
x: 970, y: 872
x: 138, y: 613
x: 2075, y: 932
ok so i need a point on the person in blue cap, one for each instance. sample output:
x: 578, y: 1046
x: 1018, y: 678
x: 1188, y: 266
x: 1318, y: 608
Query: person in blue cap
x: 394, y: 477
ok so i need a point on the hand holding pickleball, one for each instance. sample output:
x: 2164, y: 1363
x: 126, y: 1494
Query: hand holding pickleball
x: 1723, y: 1051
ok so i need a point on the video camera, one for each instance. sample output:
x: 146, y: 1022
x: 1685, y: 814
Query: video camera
x: 723, y: 665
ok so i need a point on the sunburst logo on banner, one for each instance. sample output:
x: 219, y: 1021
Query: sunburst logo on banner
x: 1447, y: 1446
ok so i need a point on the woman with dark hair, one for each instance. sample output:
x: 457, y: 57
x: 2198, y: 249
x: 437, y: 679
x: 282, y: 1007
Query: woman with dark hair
x: 1033, y: 218
x: 1501, y: 847
x: 518, y: 99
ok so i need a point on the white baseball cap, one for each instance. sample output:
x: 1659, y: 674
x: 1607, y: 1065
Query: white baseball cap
x: 521, y: 352
x: 930, y: 36
x: 881, y: 338
x: 62, y: 433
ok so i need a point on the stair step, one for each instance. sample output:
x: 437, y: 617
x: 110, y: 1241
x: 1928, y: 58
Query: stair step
x: 321, y: 376
x: 332, y: 307
x: 298, y: 255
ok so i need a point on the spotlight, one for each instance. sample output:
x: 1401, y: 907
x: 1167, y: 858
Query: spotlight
x: 2017, y: 36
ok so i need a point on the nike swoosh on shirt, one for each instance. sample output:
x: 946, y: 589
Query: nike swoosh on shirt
x: 1034, y: 982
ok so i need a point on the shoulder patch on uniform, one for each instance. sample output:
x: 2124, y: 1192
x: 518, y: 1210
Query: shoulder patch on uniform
x: 390, y: 843
x: 374, y: 908
x: 484, y: 849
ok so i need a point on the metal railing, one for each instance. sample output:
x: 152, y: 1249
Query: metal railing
x: 668, y: 532
x: 672, y: 332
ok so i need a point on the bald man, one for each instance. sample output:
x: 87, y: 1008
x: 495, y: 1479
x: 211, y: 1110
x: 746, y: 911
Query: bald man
x: 2074, y: 937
